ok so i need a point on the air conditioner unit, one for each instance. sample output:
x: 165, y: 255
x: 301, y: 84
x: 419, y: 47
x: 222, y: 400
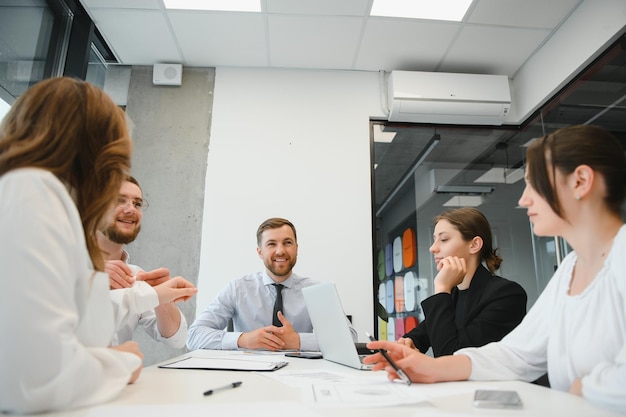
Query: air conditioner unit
x: 448, y: 98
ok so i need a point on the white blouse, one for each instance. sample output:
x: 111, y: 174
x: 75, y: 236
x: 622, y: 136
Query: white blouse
x: 56, y: 318
x: 570, y: 337
x: 134, y: 307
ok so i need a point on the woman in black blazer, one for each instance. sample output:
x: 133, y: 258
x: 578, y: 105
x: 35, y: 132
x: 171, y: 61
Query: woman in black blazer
x: 470, y: 306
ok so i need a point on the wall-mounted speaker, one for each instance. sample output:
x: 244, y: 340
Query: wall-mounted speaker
x: 167, y: 74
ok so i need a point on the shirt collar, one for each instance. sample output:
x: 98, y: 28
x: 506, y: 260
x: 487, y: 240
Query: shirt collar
x: 267, y: 280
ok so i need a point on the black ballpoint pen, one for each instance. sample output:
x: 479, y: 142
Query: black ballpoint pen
x: 396, y: 368
x: 231, y: 385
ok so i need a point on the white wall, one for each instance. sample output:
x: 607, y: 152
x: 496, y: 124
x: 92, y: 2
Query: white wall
x: 293, y: 144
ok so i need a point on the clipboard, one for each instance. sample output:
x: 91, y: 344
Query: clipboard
x: 225, y: 364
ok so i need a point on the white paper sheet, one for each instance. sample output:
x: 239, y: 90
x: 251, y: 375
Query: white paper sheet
x: 337, y: 389
x: 363, y: 395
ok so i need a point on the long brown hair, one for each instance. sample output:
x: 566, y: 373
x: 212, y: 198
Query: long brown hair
x: 570, y: 147
x: 471, y: 223
x: 74, y: 130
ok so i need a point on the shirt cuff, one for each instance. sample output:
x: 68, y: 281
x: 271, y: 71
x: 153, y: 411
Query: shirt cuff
x: 139, y: 298
x: 178, y: 339
x: 308, y: 342
x: 229, y: 341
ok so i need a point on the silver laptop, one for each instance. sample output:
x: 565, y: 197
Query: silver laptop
x: 330, y: 325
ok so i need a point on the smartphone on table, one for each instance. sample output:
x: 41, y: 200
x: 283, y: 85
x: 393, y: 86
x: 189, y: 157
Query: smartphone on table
x: 487, y: 398
x: 305, y: 355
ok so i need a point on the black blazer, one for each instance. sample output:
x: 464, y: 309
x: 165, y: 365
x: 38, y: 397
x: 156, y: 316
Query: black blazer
x: 494, y: 306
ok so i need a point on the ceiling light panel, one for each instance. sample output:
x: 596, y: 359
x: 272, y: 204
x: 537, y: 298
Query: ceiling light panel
x: 452, y: 10
x: 221, y: 5
x: 318, y: 7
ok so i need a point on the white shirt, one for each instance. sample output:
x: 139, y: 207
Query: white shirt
x: 249, y: 302
x: 134, y: 307
x: 56, y: 319
x: 580, y: 336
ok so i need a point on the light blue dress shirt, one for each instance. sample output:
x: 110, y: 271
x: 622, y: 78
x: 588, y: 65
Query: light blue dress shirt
x: 249, y: 302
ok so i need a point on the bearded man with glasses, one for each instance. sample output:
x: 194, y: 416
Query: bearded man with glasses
x: 145, y: 298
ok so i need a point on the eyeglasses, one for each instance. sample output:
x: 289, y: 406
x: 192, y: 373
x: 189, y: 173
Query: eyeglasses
x: 137, y: 203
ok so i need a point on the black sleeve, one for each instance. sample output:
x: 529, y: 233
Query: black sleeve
x: 500, y: 308
x: 440, y: 323
x: 505, y: 309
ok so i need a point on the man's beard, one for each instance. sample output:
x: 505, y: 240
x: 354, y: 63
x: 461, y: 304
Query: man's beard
x: 119, y: 237
x: 281, y: 273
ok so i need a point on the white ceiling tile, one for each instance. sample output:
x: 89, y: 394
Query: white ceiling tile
x: 483, y: 50
x: 319, y: 7
x: 137, y: 37
x: 313, y: 42
x: 526, y: 13
x: 404, y: 44
x: 497, y: 37
x: 221, y: 39
x: 123, y: 4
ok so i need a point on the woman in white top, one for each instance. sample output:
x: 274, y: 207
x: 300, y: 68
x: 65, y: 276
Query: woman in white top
x: 576, y: 331
x: 64, y: 151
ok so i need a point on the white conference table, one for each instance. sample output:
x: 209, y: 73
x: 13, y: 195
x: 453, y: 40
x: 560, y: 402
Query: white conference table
x: 179, y: 392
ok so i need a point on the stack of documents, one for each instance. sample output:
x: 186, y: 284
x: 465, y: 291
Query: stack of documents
x: 226, y: 364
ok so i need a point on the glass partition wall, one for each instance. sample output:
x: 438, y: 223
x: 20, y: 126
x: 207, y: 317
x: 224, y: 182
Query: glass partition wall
x: 47, y: 38
x: 420, y: 170
x: 27, y: 36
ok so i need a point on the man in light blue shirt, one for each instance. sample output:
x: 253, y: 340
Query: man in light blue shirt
x: 249, y: 302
